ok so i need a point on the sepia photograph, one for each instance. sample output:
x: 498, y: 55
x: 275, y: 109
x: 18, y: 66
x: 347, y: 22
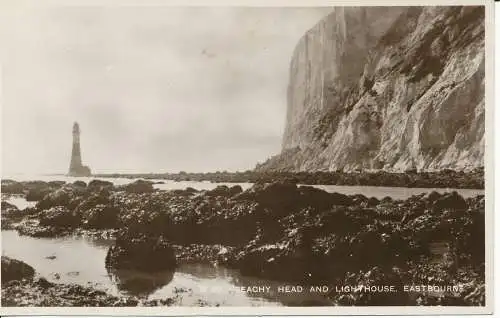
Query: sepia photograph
x: 223, y: 156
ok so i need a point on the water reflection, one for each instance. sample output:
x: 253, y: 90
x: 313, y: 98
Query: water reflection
x: 81, y: 261
x: 138, y: 283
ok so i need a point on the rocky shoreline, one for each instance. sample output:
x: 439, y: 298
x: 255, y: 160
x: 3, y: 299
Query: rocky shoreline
x: 473, y: 179
x: 276, y: 231
x: 20, y: 288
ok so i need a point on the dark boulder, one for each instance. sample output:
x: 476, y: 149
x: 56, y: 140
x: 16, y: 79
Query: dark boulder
x: 10, y: 214
x: 372, y: 293
x: 8, y: 208
x: 452, y: 201
x: 221, y: 190
x: 139, y: 283
x: 234, y: 190
x: 79, y: 184
x: 58, y: 216
x: 359, y: 199
x: 13, y: 269
x: 100, y: 217
x: 37, y: 194
x: 59, y: 197
x: 56, y: 184
x: 186, y: 192
x: 340, y: 199
x: 386, y: 200
x: 139, y: 186
x: 224, y: 191
x: 372, y: 202
x: 96, y: 183
x: 12, y: 187
x: 141, y: 252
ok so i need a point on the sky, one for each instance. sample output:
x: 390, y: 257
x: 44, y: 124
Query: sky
x: 154, y: 89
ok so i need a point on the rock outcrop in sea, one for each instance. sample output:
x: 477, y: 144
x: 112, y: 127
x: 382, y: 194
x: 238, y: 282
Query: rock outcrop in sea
x: 394, y: 88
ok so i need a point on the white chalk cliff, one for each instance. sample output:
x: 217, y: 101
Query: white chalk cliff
x: 387, y: 88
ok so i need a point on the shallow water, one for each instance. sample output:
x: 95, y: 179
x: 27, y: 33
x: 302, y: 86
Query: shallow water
x: 369, y: 191
x: 80, y: 260
x: 396, y: 193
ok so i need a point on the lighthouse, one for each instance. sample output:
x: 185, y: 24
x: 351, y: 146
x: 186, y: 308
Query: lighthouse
x: 76, y: 169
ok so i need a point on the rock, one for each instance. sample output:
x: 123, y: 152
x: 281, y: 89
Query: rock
x: 450, y: 201
x: 59, y: 197
x: 43, y: 283
x: 373, y: 278
x: 373, y: 202
x: 56, y: 184
x: 96, y: 183
x: 220, y: 190
x: 386, y: 199
x: 33, y: 228
x: 186, y: 192
x: 224, y: 191
x: 100, y: 217
x: 13, y: 269
x: 140, y: 284
x: 37, y: 194
x: 79, y: 184
x: 58, y: 216
x: 8, y: 208
x: 139, y: 186
x: 141, y: 252
x: 12, y: 215
x: 12, y: 187
x: 433, y: 196
x: 42, y: 293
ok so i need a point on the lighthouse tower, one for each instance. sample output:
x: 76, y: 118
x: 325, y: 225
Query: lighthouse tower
x: 76, y: 169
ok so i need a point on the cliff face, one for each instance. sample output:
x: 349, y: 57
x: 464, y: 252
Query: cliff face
x: 387, y: 88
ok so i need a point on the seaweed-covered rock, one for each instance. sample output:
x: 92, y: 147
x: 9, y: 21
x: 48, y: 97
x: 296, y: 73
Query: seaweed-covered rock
x: 224, y: 191
x: 42, y: 293
x: 139, y: 186
x: 12, y: 187
x: 13, y: 269
x: 58, y: 216
x: 373, y: 288
x: 59, y: 197
x: 10, y: 214
x: 450, y: 201
x: 141, y: 252
x: 37, y: 194
x: 96, y: 183
x: 80, y: 184
x: 100, y: 216
x: 8, y: 208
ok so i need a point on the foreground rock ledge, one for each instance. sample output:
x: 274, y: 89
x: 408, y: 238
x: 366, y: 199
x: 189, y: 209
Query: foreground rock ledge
x: 13, y: 269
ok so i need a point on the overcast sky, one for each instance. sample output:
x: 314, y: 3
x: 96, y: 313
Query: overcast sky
x: 153, y: 88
